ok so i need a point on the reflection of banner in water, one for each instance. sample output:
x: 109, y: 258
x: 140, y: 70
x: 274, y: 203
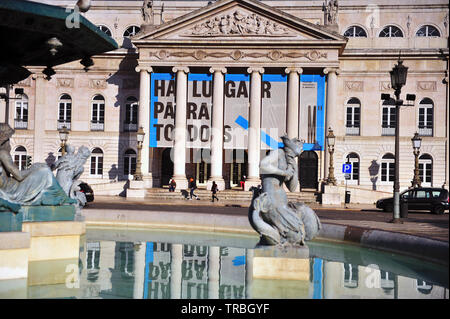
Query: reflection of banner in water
x: 273, y: 110
x: 194, y: 272
x: 232, y: 273
x: 157, y: 271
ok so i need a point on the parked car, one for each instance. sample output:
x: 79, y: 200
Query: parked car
x: 433, y: 199
x: 88, y: 192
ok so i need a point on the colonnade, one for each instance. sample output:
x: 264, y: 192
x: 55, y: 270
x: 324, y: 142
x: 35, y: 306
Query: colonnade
x: 254, y: 134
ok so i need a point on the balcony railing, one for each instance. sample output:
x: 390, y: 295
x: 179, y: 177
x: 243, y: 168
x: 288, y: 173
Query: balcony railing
x: 97, y: 126
x: 61, y: 124
x: 130, y: 127
x: 20, y: 124
x: 424, y: 131
x: 352, y: 130
x: 388, y: 131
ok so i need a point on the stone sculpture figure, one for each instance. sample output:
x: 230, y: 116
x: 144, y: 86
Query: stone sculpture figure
x: 36, y: 186
x: 278, y: 221
x: 69, y: 169
x: 147, y: 12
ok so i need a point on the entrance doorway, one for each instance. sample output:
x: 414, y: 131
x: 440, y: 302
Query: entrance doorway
x: 238, y: 167
x: 202, y: 166
x: 166, y: 167
x: 308, y: 170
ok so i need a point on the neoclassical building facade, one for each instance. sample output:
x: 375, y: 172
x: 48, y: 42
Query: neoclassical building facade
x: 215, y: 84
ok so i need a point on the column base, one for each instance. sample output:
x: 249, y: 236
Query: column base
x: 252, y: 182
x: 136, y: 189
x: 182, y: 182
x: 219, y: 181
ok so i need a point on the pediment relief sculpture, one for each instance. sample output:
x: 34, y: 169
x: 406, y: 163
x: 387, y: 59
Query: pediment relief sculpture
x: 239, y: 23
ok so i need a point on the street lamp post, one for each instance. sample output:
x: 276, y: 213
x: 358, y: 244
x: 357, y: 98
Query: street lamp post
x: 330, y: 142
x: 416, y: 142
x: 63, y: 136
x: 398, y: 80
x: 140, y: 139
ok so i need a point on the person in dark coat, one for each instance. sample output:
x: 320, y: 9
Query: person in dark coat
x: 172, y: 185
x: 214, y: 190
x: 192, y: 187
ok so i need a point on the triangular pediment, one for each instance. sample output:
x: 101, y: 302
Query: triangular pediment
x: 238, y: 21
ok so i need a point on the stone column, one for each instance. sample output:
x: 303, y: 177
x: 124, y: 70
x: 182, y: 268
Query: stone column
x: 293, y: 101
x: 217, y: 128
x: 293, y: 106
x: 39, y: 119
x: 254, y: 130
x: 446, y: 182
x: 331, y: 109
x: 330, y: 194
x: 179, y: 149
x: 139, y: 270
x: 138, y: 188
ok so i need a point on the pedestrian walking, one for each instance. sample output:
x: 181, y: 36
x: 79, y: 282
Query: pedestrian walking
x: 172, y: 185
x: 192, y: 187
x: 214, y: 190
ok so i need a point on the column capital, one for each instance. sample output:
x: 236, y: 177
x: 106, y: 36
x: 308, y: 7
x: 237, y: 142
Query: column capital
x: 140, y: 68
x: 214, y: 69
x: 255, y: 69
x: 331, y: 70
x: 297, y: 70
x: 184, y: 69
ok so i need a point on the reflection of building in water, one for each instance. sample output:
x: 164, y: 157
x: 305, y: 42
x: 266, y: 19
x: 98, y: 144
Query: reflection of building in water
x: 181, y: 271
x: 344, y: 280
x: 95, y: 275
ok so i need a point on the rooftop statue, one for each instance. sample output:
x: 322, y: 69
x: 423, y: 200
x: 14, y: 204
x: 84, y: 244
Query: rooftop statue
x: 278, y: 221
x: 69, y: 169
x: 36, y: 186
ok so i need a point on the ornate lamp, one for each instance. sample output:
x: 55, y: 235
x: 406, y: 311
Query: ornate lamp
x: 416, y: 143
x: 398, y: 75
x: 63, y: 137
x: 331, y: 139
x: 140, y: 139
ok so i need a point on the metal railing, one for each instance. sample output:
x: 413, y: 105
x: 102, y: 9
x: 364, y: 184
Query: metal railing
x: 97, y: 126
x: 352, y: 130
x: 388, y: 131
x: 61, y: 124
x: 130, y: 127
x: 20, y: 124
x: 424, y: 131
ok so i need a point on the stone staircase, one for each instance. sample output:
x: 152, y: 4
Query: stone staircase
x: 229, y: 195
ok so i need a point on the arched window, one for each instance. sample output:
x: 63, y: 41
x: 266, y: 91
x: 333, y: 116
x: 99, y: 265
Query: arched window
x: 353, y: 159
x: 97, y: 162
x: 353, y: 116
x: 426, y: 108
x: 355, y: 32
x: 130, y: 31
x: 129, y: 162
x: 388, y: 168
x: 391, y: 31
x: 426, y: 170
x: 21, y: 120
x: 428, y: 31
x: 20, y: 157
x: 388, y: 117
x: 98, y: 113
x: 105, y: 29
x: 65, y: 111
x: 131, y: 114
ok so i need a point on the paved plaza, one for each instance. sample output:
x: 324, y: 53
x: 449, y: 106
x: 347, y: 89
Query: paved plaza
x: 366, y: 216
